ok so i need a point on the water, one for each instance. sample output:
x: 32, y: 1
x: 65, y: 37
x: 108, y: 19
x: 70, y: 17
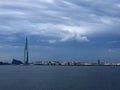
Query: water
x: 59, y: 78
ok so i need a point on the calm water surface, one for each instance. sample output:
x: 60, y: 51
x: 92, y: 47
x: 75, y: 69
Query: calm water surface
x: 59, y: 78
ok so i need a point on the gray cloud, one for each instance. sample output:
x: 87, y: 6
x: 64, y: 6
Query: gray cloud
x: 62, y: 19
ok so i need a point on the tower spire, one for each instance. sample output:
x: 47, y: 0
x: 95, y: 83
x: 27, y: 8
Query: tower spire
x: 26, y: 52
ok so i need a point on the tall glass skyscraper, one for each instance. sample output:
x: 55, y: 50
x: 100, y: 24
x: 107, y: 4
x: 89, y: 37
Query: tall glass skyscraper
x: 26, y: 57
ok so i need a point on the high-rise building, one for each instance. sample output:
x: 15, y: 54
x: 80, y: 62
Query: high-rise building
x: 26, y: 57
x: 99, y: 62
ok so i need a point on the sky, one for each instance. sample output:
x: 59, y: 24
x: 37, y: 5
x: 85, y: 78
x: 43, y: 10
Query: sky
x: 64, y: 30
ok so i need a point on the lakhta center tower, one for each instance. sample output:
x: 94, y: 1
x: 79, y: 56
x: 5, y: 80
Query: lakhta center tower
x: 26, y: 56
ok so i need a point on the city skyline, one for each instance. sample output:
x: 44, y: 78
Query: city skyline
x: 74, y: 30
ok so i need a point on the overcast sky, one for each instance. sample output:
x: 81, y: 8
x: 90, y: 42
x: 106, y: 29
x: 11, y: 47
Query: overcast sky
x: 84, y: 30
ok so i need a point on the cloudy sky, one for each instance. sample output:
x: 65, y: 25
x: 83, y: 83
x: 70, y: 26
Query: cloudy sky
x: 84, y: 30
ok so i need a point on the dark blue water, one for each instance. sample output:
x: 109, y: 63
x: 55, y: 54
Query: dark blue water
x: 59, y: 78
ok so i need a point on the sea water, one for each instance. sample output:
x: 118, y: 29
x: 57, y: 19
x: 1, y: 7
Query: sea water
x: 59, y: 78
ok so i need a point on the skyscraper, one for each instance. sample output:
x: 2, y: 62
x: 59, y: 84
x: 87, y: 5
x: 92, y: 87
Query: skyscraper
x: 26, y: 57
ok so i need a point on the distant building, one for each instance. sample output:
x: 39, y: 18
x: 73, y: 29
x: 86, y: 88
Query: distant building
x: 99, y: 62
x: 4, y: 63
x: 16, y: 62
x: 1, y: 63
